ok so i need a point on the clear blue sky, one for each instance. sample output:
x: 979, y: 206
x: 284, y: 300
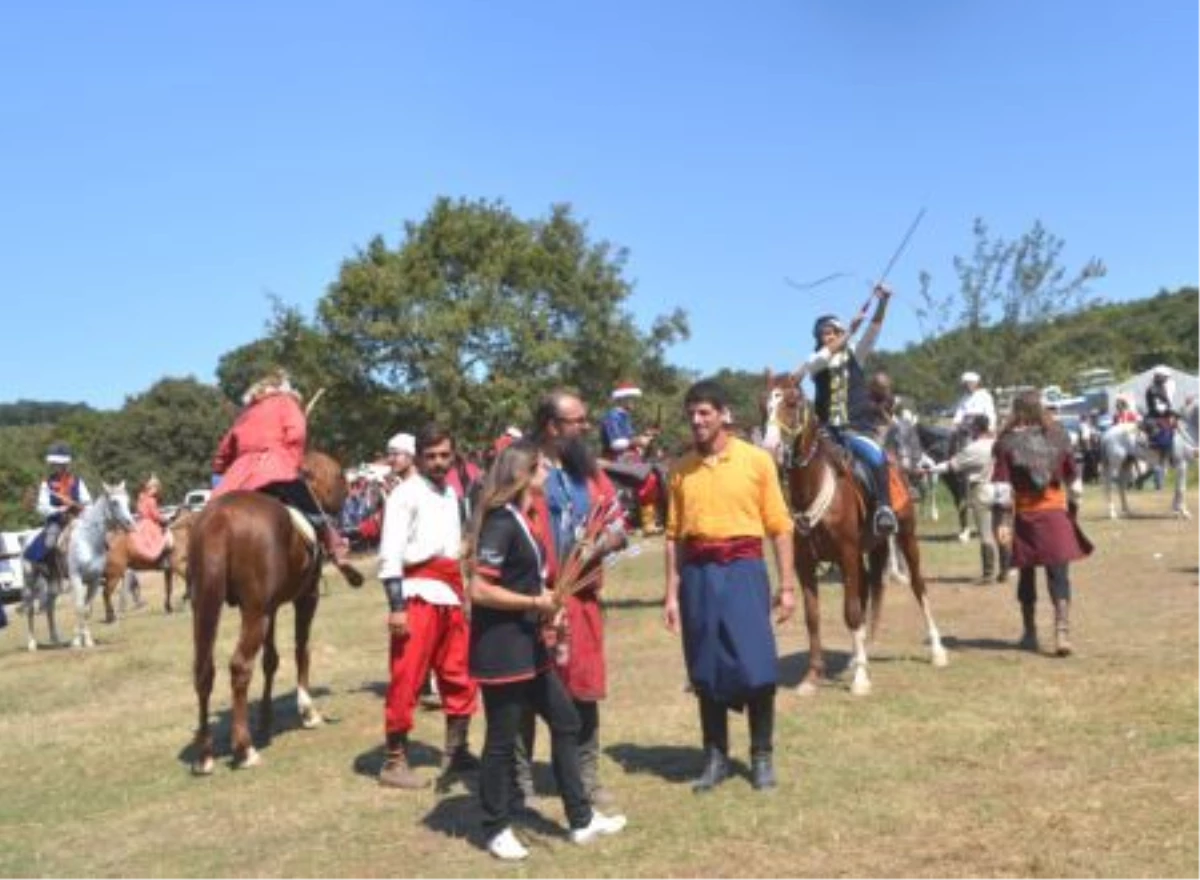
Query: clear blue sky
x: 165, y: 166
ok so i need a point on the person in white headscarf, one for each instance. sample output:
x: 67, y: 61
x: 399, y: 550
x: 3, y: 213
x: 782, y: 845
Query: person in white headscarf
x: 975, y: 401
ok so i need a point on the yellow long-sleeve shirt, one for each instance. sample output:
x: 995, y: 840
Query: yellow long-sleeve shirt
x: 732, y: 494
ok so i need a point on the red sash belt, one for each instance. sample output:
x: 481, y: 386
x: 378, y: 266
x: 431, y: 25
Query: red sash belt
x: 440, y: 568
x: 722, y: 551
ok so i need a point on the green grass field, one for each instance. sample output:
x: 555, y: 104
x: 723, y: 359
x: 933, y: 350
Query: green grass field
x: 1003, y: 764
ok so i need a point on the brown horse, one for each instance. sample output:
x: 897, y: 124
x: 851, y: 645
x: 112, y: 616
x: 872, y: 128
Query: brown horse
x: 832, y: 525
x: 245, y: 550
x: 122, y: 559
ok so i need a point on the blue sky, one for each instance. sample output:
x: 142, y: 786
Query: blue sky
x: 164, y: 167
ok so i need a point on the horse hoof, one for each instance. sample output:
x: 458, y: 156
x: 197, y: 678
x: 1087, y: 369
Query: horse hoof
x: 861, y: 688
x: 251, y: 759
x: 940, y: 658
x: 203, y: 767
x: 76, y: 642
x: 31, y: 645
x: 807, y: 688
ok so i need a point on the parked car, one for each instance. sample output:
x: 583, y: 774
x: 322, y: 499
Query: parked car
x: 12, y: 575
x: 196, y: 499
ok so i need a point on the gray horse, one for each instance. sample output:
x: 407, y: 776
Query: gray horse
x: 80, y: 556
x: 1123, y: 446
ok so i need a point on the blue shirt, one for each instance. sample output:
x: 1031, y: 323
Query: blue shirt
x: 617, y: 424
x: 569, y: 503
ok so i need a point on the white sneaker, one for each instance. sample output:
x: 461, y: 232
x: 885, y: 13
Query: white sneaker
x: 600, y: 824
x: 506, y: 846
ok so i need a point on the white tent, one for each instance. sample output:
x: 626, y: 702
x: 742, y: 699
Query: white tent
x: 1181, y: 385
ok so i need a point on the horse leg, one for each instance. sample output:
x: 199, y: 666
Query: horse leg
x: 270, y: 663
x: 29, y: 606
x: 806, y: 568
x: 910, y: 548
x: 83, y: 594
x: 879, y: 557
x: 241, y: 669
x: 852, y: 606
x: 306, y: 609
x: 1108, y: 488
x: 111, y: 579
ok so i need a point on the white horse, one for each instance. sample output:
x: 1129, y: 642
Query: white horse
x: 1124, y: 445
x: 80, y: 555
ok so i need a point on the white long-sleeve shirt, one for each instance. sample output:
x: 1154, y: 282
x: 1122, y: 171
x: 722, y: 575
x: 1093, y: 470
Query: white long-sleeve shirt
x: 46, y: 508
x: 821, y: 359
x: 420, y: 522
x: 978, y: 402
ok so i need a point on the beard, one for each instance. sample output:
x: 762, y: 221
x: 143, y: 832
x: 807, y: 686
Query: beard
x: 577, y: 458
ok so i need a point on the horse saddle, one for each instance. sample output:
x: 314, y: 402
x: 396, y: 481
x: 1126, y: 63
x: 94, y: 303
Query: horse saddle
x: 38, y: 552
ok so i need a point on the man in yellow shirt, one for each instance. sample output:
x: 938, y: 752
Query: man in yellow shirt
x: 724, y: 500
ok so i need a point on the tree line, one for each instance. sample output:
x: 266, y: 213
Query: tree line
x: 475, y: 312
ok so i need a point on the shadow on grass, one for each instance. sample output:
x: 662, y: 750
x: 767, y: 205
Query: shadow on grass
x: 620, y: 604
x: 676, y: 764
x: 461, y: 817
x: 285, y: 717
x: 954, y: 643
x: 791, y: 667
x: 947, y: 538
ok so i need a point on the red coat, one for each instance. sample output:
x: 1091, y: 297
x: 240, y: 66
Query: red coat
x: 265, y: 445
x: 585, y: 672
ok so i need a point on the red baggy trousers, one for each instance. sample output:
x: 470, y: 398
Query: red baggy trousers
x: 438, y: 637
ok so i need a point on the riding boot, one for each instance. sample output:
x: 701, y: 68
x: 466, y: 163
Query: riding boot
x: 714, y: 723
x: 1062, y: 627
x: 335, y: 548
x: 457, y: 757
x: 761, y: 710
x: 885, y: 518
x: 1029, y: 637
x: 396, y: 773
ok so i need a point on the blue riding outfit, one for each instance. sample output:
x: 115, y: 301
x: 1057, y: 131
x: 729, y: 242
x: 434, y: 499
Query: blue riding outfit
x: 56, y: 495
x: 844, y: 406
x: 1160, y: 416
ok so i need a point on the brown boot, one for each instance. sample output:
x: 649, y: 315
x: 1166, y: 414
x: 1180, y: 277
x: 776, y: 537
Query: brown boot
x: 396, y: 773
x: 1029, y: 638
x: 1062, y: 627
x: 457, y: 757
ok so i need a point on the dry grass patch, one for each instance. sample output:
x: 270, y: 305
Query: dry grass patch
x: 1003, y: 764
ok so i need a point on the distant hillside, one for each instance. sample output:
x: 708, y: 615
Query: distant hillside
x: 38, y: 412
x: 1124, y: 337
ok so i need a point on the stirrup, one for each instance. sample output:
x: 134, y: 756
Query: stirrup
x: 885, y: 521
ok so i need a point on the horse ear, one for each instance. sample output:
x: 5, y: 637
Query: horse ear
x: 769, y: 376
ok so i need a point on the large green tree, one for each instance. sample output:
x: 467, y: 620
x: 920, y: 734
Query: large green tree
x: 992, y: 320
x: 476, y: 313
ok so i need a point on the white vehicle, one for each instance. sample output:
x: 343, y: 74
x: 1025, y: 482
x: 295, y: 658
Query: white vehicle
x: 196, y: 499
x: 12, y: 574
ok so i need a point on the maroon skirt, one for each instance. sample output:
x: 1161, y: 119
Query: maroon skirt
x: 1047, y: 537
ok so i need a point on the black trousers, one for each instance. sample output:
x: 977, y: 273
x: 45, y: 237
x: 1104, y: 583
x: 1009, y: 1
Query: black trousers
x: 295, y: 493
x: 504, y: 705
x: 1057, y: 582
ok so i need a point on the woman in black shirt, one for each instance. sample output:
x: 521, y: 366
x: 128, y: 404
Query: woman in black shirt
x: 509, y: 600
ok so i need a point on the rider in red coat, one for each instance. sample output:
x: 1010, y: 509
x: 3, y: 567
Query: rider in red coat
x: 264, y: 451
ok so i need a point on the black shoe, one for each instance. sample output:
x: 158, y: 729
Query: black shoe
x: 715, y: 772
x: 762, y: 773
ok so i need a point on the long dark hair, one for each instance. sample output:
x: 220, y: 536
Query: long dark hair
x: 507, y: 480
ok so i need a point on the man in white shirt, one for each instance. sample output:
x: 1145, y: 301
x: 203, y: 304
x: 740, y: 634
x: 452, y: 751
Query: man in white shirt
x: 975, y: 401
x: 421, y: 574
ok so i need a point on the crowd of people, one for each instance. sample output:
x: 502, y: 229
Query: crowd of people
x: 471, y: 555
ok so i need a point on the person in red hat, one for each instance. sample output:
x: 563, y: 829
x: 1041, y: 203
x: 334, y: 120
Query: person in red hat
x: 621, y: 443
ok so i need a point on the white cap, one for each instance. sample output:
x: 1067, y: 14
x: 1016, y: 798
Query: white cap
x: 970, y: 376
x: 1162, y: 370
x: 514, y: 432
x: 405, y: 443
